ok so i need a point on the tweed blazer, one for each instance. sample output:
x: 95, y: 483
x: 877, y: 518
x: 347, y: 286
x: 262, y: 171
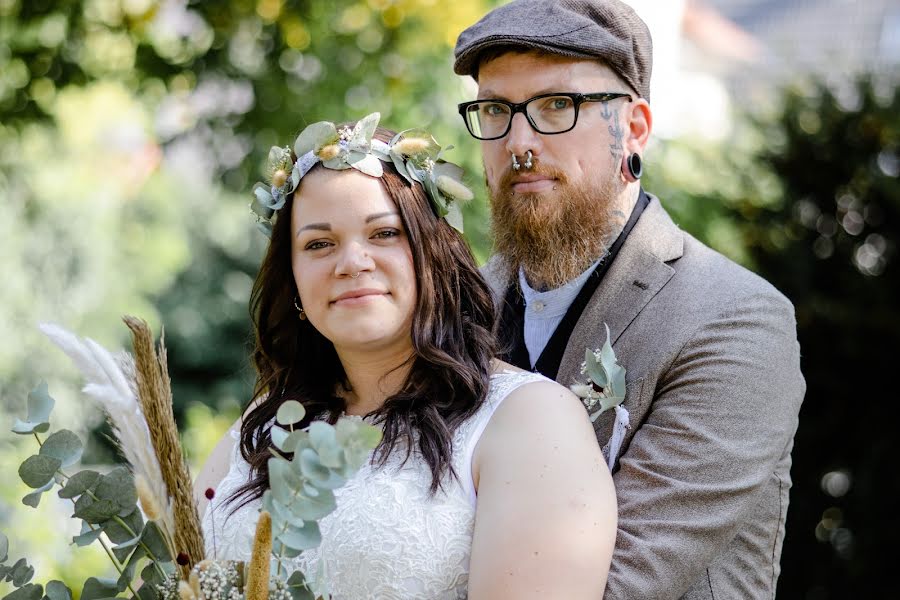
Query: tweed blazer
x: 714, y: 390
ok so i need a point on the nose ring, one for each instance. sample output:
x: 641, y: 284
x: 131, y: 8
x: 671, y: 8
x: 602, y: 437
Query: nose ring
x: 355, y: 275
x: 527, y: 164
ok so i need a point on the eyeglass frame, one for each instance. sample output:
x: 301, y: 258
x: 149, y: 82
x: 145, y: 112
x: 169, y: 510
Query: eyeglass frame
x: 577, y: 99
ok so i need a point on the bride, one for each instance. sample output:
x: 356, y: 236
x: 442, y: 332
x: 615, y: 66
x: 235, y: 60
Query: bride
x: 488, y: 482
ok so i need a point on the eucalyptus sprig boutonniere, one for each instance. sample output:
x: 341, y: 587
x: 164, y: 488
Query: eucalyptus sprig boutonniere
x: 606, y: 380
x: 605, y: 387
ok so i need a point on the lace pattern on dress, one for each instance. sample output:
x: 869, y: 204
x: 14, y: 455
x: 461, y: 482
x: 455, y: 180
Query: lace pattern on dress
x: 389, y: 537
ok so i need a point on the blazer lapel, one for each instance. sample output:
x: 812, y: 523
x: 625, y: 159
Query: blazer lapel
x: 638, y: 273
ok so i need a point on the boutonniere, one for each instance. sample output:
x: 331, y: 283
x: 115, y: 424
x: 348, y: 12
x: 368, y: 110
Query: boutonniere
x: 606, y: 380
x: 603, y: 390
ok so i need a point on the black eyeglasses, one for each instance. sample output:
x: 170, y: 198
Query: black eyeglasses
x: 549, y: 114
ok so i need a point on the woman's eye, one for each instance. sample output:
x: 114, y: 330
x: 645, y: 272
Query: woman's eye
x: 316, y: 245
x: 386, y: 233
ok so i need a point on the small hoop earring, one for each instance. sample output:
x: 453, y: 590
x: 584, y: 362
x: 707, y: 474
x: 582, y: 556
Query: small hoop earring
x: 300, y: 311
x: 633, y: 167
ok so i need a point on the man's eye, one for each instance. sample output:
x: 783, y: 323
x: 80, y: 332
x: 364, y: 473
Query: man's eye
x: 559, y: 103
x: 494, y: 110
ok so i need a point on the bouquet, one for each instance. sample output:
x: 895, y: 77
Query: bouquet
x: 144, y: 514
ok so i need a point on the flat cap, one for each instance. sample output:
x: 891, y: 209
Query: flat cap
x: 606, y: 29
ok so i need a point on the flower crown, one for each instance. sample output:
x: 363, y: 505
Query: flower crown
x: 414, y: 153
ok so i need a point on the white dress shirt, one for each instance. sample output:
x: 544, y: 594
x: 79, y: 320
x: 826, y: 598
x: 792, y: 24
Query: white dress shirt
x: 545, y: 310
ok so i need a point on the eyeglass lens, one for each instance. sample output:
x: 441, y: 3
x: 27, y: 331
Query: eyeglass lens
x: 551, y: 114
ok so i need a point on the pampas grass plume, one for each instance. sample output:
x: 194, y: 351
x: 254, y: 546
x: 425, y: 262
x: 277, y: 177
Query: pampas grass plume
x: 150, y: 506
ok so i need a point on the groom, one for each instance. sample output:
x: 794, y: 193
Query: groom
x: 713, y: 378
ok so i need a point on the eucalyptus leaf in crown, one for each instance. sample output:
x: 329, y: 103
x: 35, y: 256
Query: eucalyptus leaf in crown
x: 413, y: 152
x: 122, y: 510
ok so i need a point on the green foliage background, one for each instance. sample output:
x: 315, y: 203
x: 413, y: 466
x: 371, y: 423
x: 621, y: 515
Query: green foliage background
x: 132, y: 130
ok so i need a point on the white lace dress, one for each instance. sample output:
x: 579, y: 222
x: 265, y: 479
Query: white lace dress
x: 388, y: 538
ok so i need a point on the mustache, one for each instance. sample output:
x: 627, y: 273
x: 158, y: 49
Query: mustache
x: 506, y: 180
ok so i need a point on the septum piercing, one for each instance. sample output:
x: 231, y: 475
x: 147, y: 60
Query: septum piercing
x: 355, y: 276
x: 527, y: 164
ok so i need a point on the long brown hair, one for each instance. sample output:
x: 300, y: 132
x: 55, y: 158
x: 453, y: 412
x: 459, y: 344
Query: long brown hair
x: 452, y: 341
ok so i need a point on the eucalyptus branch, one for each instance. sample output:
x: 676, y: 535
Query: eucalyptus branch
x: 119, y: 521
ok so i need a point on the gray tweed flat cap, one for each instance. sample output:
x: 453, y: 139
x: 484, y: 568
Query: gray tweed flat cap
x: 606, y: 29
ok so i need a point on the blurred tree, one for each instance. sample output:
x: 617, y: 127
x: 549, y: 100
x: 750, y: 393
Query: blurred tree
x: 832, y: 248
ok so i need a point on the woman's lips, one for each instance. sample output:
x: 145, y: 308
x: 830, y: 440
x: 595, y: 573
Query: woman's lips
x: 357, y: 297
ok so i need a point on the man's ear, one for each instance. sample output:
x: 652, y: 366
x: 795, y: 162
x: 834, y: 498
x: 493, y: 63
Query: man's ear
x: 640, y: 124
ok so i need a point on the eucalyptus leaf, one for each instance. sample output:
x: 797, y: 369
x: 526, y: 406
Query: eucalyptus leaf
x: 311, y: 467
x: 130, y: 528
x: 95, y: 511
x: 150, y: 575
x: 37, y: 470
x: 302, y: 538
x: 323, y: 438
x: 279, y: 435
x: 21, y: 573
x: 368, y: 164
x: 39, y: 406
x: 128, y: 572
x: 34, y: 498
x: 454, y: 216
x: 79, y: 483
x: 85, y: 538
x: 290, y: 412
x: 57, y: 590
x: 296, y: 586
x: 314, y: 137
x: 4, y: 547
x: 400, y: 165
x: 155, y: 543
x: 283, y: 480
x: 96, y: 588
x: 148, y: 591
x: 311, y: 509
x: 63, y: 445
x: 618, y: 382
x: 118, y: 486
x: 366, y: 126
x: 595, y: 369
x: 32, y: 591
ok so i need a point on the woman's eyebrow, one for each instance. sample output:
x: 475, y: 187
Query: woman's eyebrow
x: 375, y: 216
x: 316, y: 226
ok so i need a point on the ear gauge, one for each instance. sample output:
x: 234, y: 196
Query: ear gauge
x: 632, y: 167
